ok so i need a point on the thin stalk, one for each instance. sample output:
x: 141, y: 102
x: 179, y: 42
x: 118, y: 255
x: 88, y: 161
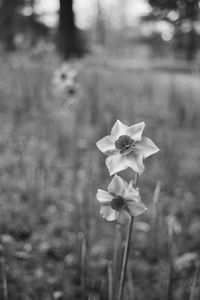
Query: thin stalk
x: 136, y: 179
x: 171, y: 269
x: 4, y: 277
x: 156, y: 199
x: 130, y: 284
x: 83, y: 263
x: 155, y: 219
x: 126, y: 251
x: 125, y: 259
x: 110, y: 281
x: 116, y: 257
x: 195, y: 282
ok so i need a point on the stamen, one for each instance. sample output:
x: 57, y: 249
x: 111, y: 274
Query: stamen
x: 117, y: 203
x: 125, y: 144
x: 63, y: 76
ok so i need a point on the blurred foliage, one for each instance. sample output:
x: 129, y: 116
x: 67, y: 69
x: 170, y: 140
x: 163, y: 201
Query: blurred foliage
x: 21, y: 27
x: 53, y: 243
x: 18, y: 20
x: 183, y: 16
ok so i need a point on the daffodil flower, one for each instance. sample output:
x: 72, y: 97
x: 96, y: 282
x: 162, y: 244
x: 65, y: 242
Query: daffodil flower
x: 121, y: 201
x: 126, y: 148
x: 64, y: 79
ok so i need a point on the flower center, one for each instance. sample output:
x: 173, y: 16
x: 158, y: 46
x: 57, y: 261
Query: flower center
x: 117, y: 203
x: 71, y: 90
x: 125, y: 144
x: 63, y: 76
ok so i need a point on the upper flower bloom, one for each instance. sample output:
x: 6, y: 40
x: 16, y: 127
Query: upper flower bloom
x: 126, y: 147
x: 121, y: 201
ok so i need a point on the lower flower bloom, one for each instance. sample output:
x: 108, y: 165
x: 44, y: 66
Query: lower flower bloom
x: 121, y: 201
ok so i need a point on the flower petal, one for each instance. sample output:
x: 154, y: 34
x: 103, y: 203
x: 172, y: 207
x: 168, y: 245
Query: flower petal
x: 106, y: 144
x: 118, y: 129
x: 123, y: 217
x: 136, y: 208
x: 103, y: 196
x: 116, y: 163
x: 117, y: 186
x: 131, y: 186
x: 135, y: 131
x: 132, y: 194
x: 147, y: 147
x: 135, y: 161
x: 108, y: 213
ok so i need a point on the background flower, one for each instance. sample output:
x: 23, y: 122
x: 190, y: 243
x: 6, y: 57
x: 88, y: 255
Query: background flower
x: 121, y: 201
x: 126, y: 148
x: 64, y: 80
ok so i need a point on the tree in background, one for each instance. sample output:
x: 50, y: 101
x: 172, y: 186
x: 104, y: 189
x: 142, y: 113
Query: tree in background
x: 70, y: 42
x: 100, y: 25
x: 184, y: 16
x: 14, y: 20
x: 8, y: 16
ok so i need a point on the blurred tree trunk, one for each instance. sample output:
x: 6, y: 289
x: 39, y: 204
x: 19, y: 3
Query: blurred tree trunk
x: 191, y: 45
x: 69, y: 42
x: 101, y: 32
x: 7, y: 23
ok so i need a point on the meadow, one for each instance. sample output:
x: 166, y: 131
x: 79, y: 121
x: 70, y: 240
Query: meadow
x: 53, y: 242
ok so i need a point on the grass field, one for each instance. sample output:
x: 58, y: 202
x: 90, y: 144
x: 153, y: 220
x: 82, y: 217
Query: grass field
x: 53, y: 242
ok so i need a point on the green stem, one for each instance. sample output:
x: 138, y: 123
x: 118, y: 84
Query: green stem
x: 83, y: 265
x: 110, y: 281
x: 136, y: 179
x: 125, y: 259
x: 116, y: 257
x: 5, y: 285
x: 126, y: 252
x: 170, y: 275
x: 195, y: 282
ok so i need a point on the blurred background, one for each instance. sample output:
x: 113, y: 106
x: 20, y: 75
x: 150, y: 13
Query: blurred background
x: 68, y: 70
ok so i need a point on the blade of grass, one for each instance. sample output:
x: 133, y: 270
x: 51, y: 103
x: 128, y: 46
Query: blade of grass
x: 110, y: 281
x: 195, y: 282
x: 156, y: 198
x: 169, y: 294
x: 130, y: 283
x: 4, y: 279
x: 155, y: 219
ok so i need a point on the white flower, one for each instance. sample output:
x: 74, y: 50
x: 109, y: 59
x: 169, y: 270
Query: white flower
x: 121, y: 201
x: 64, y: 80
x: 126, y: 148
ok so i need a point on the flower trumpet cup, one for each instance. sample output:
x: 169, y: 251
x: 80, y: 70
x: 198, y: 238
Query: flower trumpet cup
x: 126, y: 148
x: 121, y: 201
